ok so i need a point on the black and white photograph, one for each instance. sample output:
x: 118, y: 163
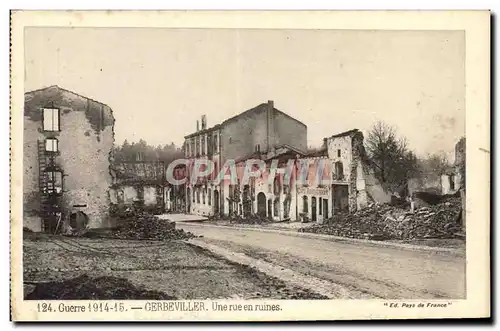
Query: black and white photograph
x: 185, y: 168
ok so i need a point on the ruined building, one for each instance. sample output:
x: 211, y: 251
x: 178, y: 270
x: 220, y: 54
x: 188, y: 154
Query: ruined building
x: 338, y: 178
x: 352, y: 183
x: 257, y: 130
x: 264, y: 133
x: 68, y: 141
x: 140, y: 184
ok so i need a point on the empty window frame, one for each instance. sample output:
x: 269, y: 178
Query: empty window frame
x: 54, y: 181
x: 51, y: 119
x: 51, y: 145
x: 216, y: 143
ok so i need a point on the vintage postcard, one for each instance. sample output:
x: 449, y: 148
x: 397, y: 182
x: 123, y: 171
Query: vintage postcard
x: 250, y: 166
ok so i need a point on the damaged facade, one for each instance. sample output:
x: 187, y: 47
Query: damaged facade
x: 351, y: 181
x: 265, y: 133
x: 68, y: 141
x: 453, y: 179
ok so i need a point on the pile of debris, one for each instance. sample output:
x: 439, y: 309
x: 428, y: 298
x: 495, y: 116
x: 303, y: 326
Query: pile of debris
x: 386, y: 222
x: 135, y: 224
x: 88, y: 288
x: 238, y: 219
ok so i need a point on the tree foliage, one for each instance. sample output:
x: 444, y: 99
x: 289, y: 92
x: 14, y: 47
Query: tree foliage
x: 436, y: 164
x: 132, y: 151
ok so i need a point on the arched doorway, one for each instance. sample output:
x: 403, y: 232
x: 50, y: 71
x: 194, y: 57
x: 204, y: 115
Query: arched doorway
x: 261, y: 204
x: 78, y: 221
x: 216, y: 202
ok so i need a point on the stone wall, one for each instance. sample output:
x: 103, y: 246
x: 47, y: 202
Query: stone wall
x: 85, y: 144
x: 240, y: 135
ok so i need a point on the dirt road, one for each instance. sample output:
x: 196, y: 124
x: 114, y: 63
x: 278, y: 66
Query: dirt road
x: 174, y: 268
x: 381, y: 272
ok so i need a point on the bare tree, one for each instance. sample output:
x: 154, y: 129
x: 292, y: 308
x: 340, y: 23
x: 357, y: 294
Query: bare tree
x: 394, y: 163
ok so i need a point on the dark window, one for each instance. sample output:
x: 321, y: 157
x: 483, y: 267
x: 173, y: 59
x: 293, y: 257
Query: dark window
x: 339, y: 170
x: 209, y: 145
x: 198, y: 195
x: 277, y: 188
x: 216, y: 143
x: 204, y: 195
x: 276, y: 207
x: 51, y: 145
x: 209, y: 197
x: 320, y: 205
x: 339, y: 153
x: 452, y: 182
x: 51, y: 119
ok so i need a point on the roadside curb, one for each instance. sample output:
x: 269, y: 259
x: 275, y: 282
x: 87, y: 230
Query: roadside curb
x: 319, y: 286
x: 326, y: 237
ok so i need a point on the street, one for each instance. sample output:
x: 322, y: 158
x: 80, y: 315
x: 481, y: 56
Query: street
x: 75, y: 268
x: 380, y: 272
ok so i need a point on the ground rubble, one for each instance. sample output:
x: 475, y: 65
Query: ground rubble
x: 237, y: 219
x: 93, y: 288
x: 387, y: 222
x: 136, y: 224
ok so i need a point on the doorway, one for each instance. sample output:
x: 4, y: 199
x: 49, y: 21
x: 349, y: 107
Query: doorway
x: 261, y: 204
x: 325, y: 209
x: 340, y: 198
x: 313, y: 209
x: 216, y: 202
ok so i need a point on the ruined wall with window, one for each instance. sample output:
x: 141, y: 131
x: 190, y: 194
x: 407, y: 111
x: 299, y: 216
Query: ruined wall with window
x: 140, y: 184
x: 354, y: 185
x: 68, y: 141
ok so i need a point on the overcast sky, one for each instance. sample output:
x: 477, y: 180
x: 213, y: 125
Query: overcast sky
x: 160, y: 81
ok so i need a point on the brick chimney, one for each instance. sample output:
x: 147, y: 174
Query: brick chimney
x: 203, y: 122
x: 271, y: 138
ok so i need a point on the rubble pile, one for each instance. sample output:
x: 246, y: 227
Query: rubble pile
x: 252, y: 219
x: 89, y: 288
x: 386, y: 222
x: 134, y: 224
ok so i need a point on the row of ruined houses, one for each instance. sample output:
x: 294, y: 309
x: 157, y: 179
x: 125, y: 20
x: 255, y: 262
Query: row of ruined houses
x: 71, y: 180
